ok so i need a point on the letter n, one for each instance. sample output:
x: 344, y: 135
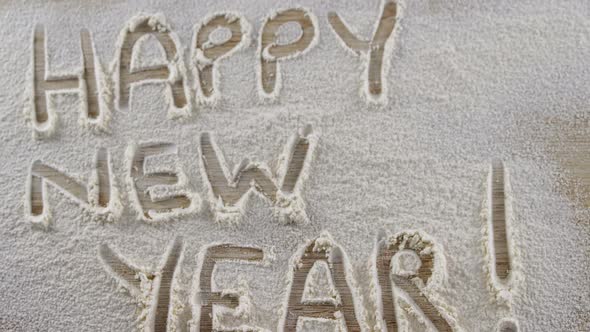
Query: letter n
x: 100, y: 196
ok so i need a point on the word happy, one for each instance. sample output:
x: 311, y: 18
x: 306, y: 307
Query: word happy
x: 216, y: 38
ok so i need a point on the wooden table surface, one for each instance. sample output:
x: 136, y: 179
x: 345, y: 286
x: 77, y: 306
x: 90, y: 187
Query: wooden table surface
x: 571, y: 151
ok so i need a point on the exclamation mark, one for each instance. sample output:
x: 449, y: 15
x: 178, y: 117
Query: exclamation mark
x: 498, y: 220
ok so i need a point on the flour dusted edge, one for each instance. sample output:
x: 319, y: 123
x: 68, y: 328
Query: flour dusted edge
x: 264, y: 55
x: 176, y: 67
x: 290, y: 207
x: 158, y: 191
x: 422, y: 244
x: 502, y: 291
x: 200, y: 60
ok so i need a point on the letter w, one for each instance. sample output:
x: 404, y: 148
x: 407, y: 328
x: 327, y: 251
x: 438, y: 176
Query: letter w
x: 228, y: 191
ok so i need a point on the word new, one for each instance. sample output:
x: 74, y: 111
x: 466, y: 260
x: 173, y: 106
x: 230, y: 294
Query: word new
x: 159, y: 195
x: 102, y: 91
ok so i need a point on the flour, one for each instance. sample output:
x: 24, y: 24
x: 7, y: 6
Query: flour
x: 500, y: 289
x: 113, y: 211
x: 218, y: 37
x: 43, y: 219
x: 175, y: 64
x: 288, y: 204
x: 90, y: 202
x: 265, y: 55
x: 158, y: 192
x: 319, y: 287
x: 463, y: 83
x: 104, y: 98
x: 148, y: 53
x: 288, y: 33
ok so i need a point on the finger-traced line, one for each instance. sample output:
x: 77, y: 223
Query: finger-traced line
x: 103, y: 177
x: 322, y: 249
x: 42, y: 84
x: 90, y: 75
x: 375, y: 50
x: 206, y: 297
x: 100, y: 196
x: 123, y: 270
x: 271, y: 51
x: 85, y: 83
x: 388, y: 248
x: 207, y: 53
x: 497, y: 221
x: 296, y: 163
x: 127, y: 273
x: 507, y: 325
x: 139, y: 27
x: 149, y: 206
x: 230, y: 190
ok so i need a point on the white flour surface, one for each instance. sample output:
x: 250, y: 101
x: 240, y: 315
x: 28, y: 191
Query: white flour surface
x: 466, y: 82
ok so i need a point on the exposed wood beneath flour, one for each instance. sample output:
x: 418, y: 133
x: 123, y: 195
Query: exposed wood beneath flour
x: 499, y: 232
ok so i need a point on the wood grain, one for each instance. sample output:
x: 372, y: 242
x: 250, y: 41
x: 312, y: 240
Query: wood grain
x: 213, y: 53
x: 296, y: 309
x: 498, y: 221
x: 375, y: 46
x: 42, y: 85
x: 231, y: 188
x: 208, y: 297
x: 89, y: 74
x: 144, y: 182
x: 572, y: 155
x: 128, y: 77
x: 387, y: 281
x: 268, y: 40
x: 217, y: 178
x: 164, y: 278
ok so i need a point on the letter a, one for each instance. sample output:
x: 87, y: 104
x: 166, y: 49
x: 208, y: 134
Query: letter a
x: 169, y: 74
x: 322, y: 249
